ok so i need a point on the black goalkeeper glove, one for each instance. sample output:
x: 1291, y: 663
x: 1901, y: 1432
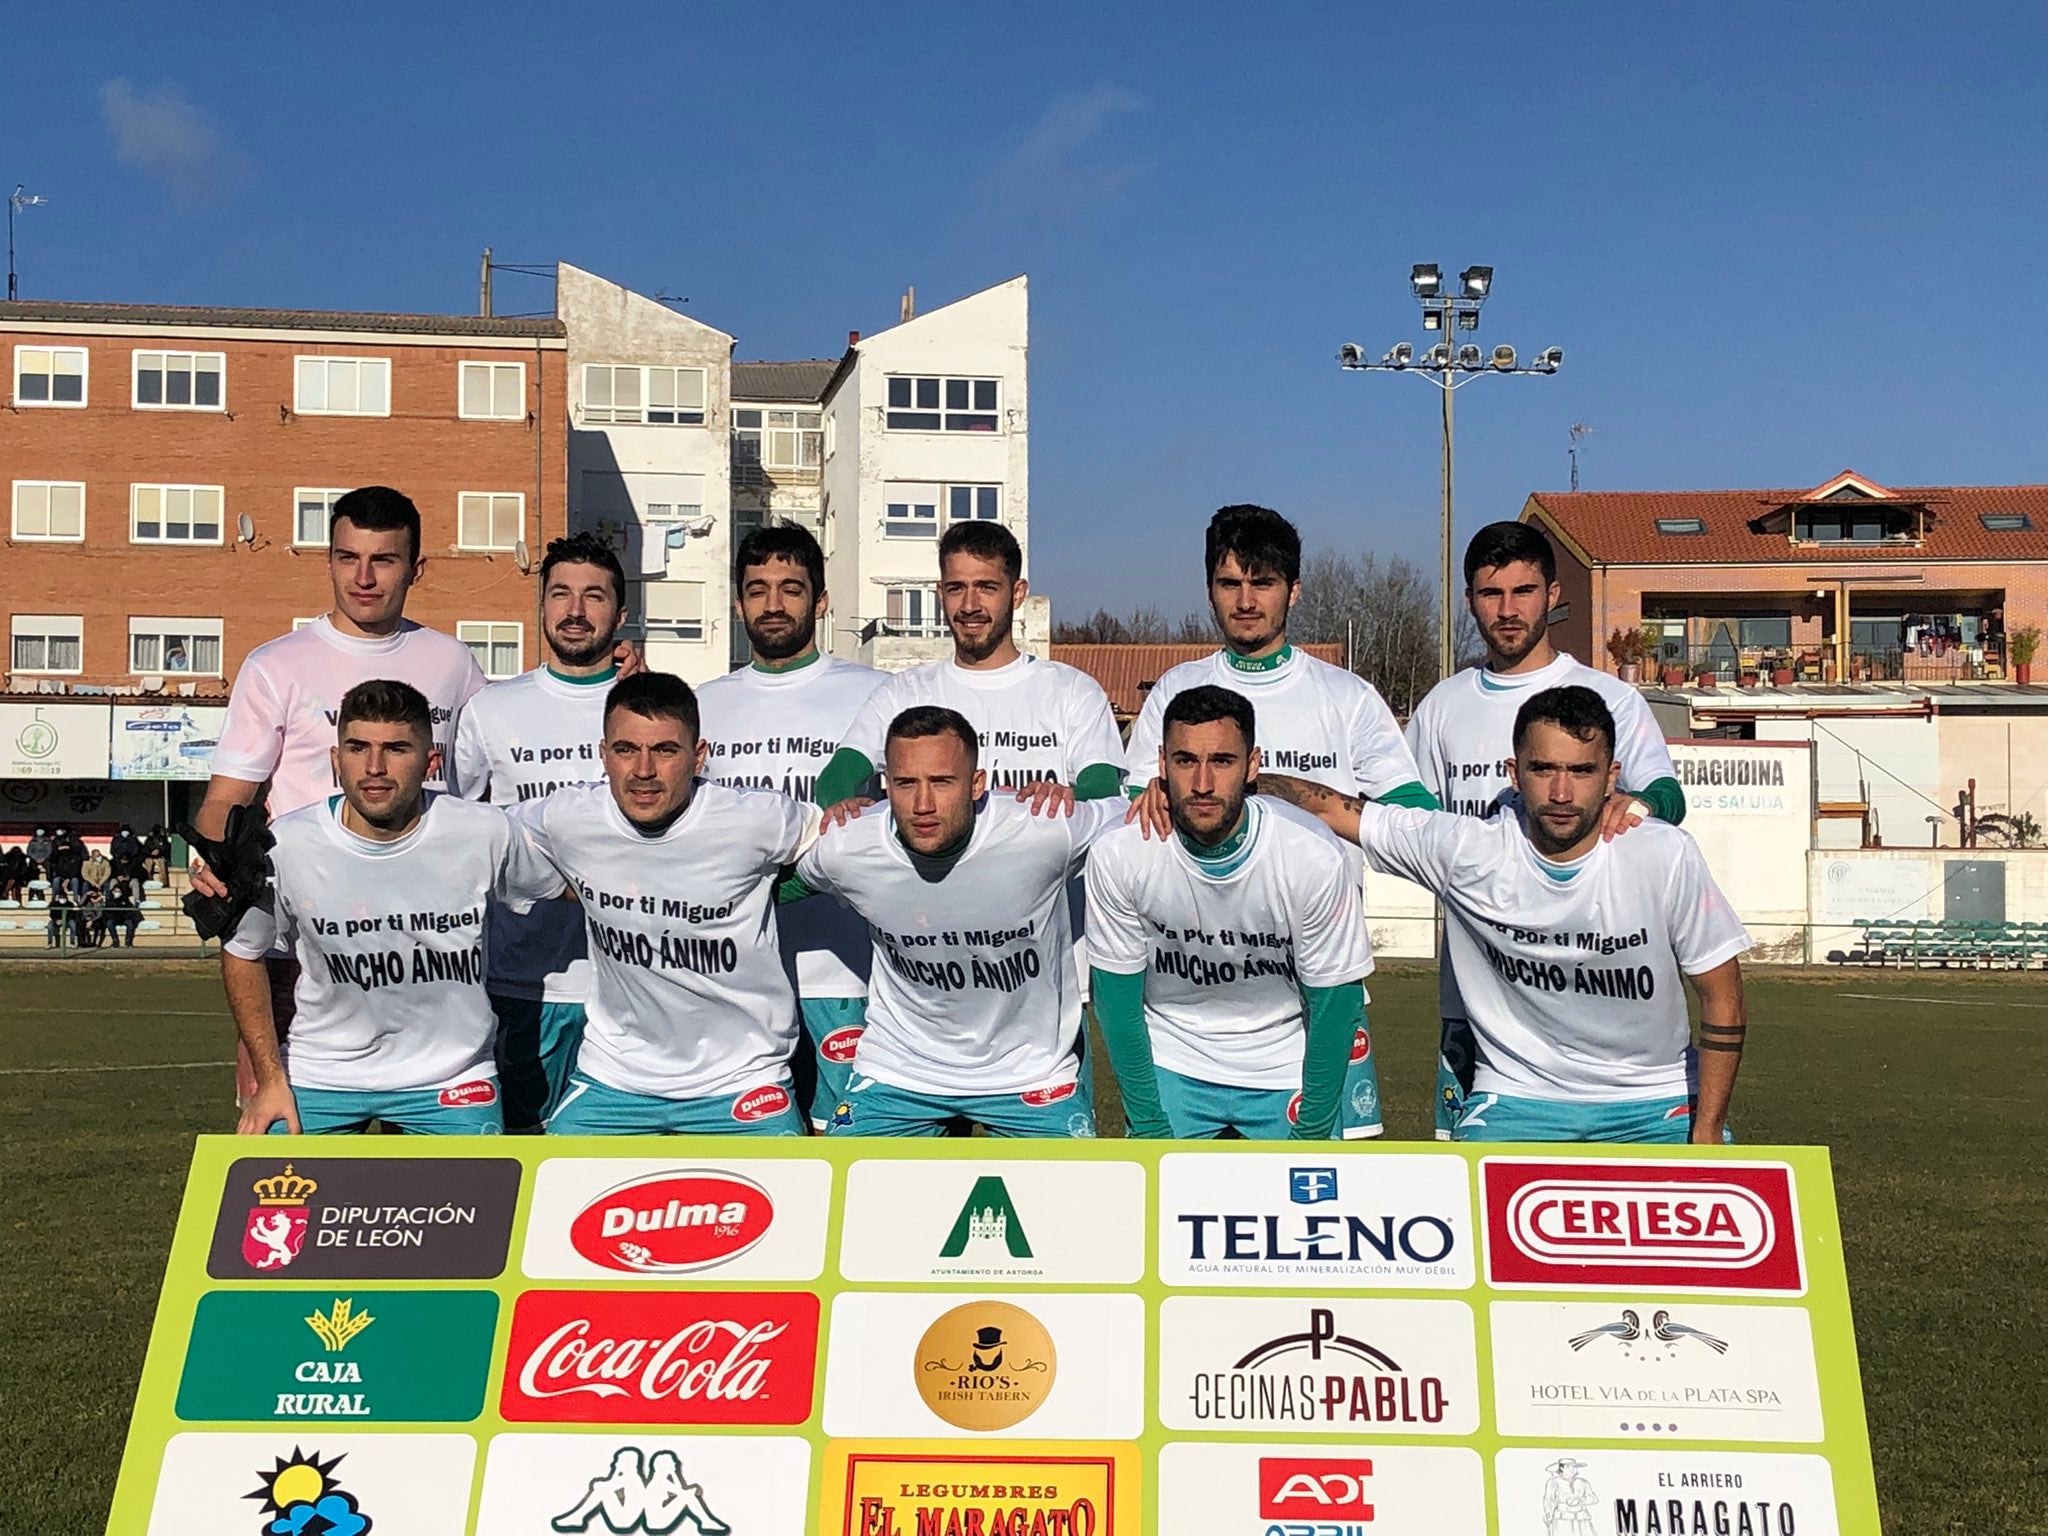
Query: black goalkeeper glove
x: 239, y: 861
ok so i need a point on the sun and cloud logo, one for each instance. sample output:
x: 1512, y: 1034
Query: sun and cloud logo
x: 302, y: 1497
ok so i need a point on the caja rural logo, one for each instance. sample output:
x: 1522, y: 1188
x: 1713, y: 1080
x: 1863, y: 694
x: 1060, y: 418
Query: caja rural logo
x: 674, y: 1222
x: 1706, y: 1226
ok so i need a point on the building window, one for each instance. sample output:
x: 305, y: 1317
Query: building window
x: 776, y: 439
x: 914, y: 611
x: 46, y: 643
x: 174, y: 645
x: 659, y: 397
x: 179, y: 381
x: 313, y: 516
x: 2006, y: 522
x: 490, y: 520
x: 49, y: 509
x: 675, y: 609
x: 493, y: 392
x: 49, y: 376
x: 911, y: 512
x: 1682, y: 525
x: 974, y: 503
x: 343, y: 386
x: 1867, y: 525
x: 174, y: 514
x: 496, y: 647
x: 928, y: 404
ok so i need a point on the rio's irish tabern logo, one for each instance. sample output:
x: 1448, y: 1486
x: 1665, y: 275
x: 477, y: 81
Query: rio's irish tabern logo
x: 1684, y: 1226
x: 987, y: 1365
x: 364, y: 1218
x: 673, y: 1223
x: 661, y: 1357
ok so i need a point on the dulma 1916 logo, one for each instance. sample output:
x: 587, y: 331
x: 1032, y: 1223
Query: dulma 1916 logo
x: 987, y: 1365
x: 674, y: 1222
x: 301, y: 1496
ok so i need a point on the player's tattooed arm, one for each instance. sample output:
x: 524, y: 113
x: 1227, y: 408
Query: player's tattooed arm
x: 1724, y: 1025
x: 1333, y: 808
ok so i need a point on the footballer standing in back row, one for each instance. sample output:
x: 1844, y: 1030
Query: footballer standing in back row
x: 520, y: 740
x: 774, y: 724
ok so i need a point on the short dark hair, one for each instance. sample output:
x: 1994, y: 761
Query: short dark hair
x: 1577, y: 711
x: 1499, y: 544
x: 1206, y: 705
x: 377, y: 509
x: 655, y: 696
x: 585, y: 549
x: 384, y: 701
x: 925, y: 720
x: 1261, y: 539
x: 780, y: 541
x: 985, y: 541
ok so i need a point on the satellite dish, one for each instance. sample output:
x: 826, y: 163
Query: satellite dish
x: 245, y: 526
x: 522, y: 557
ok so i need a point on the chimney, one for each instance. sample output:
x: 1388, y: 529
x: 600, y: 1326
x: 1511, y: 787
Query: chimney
x: 853, y: 338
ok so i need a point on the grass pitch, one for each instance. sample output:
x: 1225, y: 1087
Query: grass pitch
x: 1929, y: 1089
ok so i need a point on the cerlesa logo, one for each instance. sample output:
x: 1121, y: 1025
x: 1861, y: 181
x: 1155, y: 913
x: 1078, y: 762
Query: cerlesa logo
x: 989, y: 1216
x: 987, y: 1365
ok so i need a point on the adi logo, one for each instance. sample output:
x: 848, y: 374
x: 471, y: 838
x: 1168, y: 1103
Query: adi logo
x: 989, y: 1217
x: 302, y: 1497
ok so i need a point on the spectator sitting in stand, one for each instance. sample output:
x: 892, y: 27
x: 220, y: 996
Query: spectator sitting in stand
x: 156, y: 855
x: 67, y: 856
x: 92, y: 915
x: 124, y: 903
x: 96, y: 869
x: 63, y: 909
x: 126, y: 852
x: 14, y: 873
x: 40, y: 850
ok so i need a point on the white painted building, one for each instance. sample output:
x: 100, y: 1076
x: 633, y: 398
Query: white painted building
x: 650, y: 462
x: 778, y: 452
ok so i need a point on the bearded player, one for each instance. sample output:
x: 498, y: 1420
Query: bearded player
x: 521, y: 739
x: 692, y: 1020
x: 974, y: 1004
x: 1229, y: 959
x: 381, y: 894
x: 1460, y: 733
x: 1568, y: 948
x: 774, y: 724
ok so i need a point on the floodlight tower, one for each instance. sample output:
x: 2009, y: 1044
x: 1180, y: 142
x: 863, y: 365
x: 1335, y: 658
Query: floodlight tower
x: 1442, y: 365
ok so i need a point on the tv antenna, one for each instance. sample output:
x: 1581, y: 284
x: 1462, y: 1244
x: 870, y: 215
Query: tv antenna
x: 1579, y: 430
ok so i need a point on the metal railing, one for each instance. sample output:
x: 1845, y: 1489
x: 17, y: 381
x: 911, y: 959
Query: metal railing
x: 1813, y: 664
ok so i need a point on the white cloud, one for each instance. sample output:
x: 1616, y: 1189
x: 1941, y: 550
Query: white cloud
x: 163, y: 135
x: 1068, y: 160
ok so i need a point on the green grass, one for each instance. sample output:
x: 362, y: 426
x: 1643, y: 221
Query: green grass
x: 1929, y: 1090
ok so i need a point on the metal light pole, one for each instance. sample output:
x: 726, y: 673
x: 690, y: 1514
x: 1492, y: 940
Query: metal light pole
x: 1442, y: 366
x: 18, y: 198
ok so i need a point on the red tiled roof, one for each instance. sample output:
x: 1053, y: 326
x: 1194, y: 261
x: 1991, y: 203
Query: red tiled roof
x: 201, y: 317
x: 1620, y: 527
x: 1127, y: 672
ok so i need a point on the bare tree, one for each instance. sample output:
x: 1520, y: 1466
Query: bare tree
x: 1143, y: 626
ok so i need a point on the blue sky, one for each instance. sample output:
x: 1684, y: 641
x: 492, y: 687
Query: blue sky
x: 1774, y: 241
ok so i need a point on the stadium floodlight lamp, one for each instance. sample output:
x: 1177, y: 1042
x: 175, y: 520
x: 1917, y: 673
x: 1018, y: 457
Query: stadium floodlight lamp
x: 1504, y: 357
x: 1468, y: 356
x: 1438, y: 356
x: 1550, y: 359
x: 1476, y: 282
x: 1427, y: 279
x: 1351, y: 355
x: 1433, y: 317
x: 1468, y: 318
x: 1402, y: 354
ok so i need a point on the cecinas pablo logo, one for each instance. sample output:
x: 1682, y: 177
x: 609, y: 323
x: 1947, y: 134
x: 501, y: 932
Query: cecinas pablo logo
x: 673, y: 1223
x: 1697, y: 1226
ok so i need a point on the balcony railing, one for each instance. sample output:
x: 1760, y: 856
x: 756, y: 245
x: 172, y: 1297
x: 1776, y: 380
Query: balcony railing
x: 1816, y: 664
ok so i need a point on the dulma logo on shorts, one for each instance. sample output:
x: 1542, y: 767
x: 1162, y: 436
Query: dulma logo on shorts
x: 988, y: 1216
x: 1038, y: 1098
x: 1313, y: 1489
x: 673, y: 1222
x: 986, y: 1365
x: 760, y: 1103
x: 839, y: 1046
x: 462, y: 1095
x: 301, y: 1496
x: 276, y: 1229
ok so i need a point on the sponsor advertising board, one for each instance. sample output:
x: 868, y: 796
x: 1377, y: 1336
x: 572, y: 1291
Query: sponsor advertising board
x: 702, y: 1337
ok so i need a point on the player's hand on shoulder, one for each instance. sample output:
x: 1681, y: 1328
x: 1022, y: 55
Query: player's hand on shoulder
x: 203, y: 879
x: 839, y: 815
x: 270, y: 1103
x: 629, y: 658
x: 1619, y: 814
x: 1047, y: 797
x: 1150, y: 813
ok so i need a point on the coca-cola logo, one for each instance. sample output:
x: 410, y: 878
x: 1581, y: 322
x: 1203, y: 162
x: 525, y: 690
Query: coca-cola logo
x: 1696, y: 1225
x: 673, y: 1223
x: 661, y: 1357
x: 839, y: 1046
x: 482, y: 1091
x: 760, y: 1104
x: 1052, y: 1095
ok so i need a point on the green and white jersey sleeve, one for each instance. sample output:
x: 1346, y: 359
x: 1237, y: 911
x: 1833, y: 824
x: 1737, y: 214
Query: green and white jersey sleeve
x: 688, y: 995
x: 1226, y: 947
x: 1571, y: 974
x: 973, y: 988
x: 521, y: 740
x: 777, y: 731
x: 1036, y: 719
x: 389, y: 938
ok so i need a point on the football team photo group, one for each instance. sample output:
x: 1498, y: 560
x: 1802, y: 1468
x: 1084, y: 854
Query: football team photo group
x: 810, y: 897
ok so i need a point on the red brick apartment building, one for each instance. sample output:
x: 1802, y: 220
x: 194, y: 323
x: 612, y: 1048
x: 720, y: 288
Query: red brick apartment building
x: 1848, y: 582
x: 169, y: 471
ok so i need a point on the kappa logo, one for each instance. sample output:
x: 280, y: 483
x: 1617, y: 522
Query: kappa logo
x: 642, y: 1495
x: 301, y: 1496
x: 988, y: 1216
x: 1314, y: 1489
x: 275, y: 1232
x: 462, y: 1095
x: 1703, y: 1225
x: 760, y: 1104
x: 674, y: 1222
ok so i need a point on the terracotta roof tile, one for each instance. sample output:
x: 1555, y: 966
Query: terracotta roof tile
x: 1127, y: 672
x: 804, y: 379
